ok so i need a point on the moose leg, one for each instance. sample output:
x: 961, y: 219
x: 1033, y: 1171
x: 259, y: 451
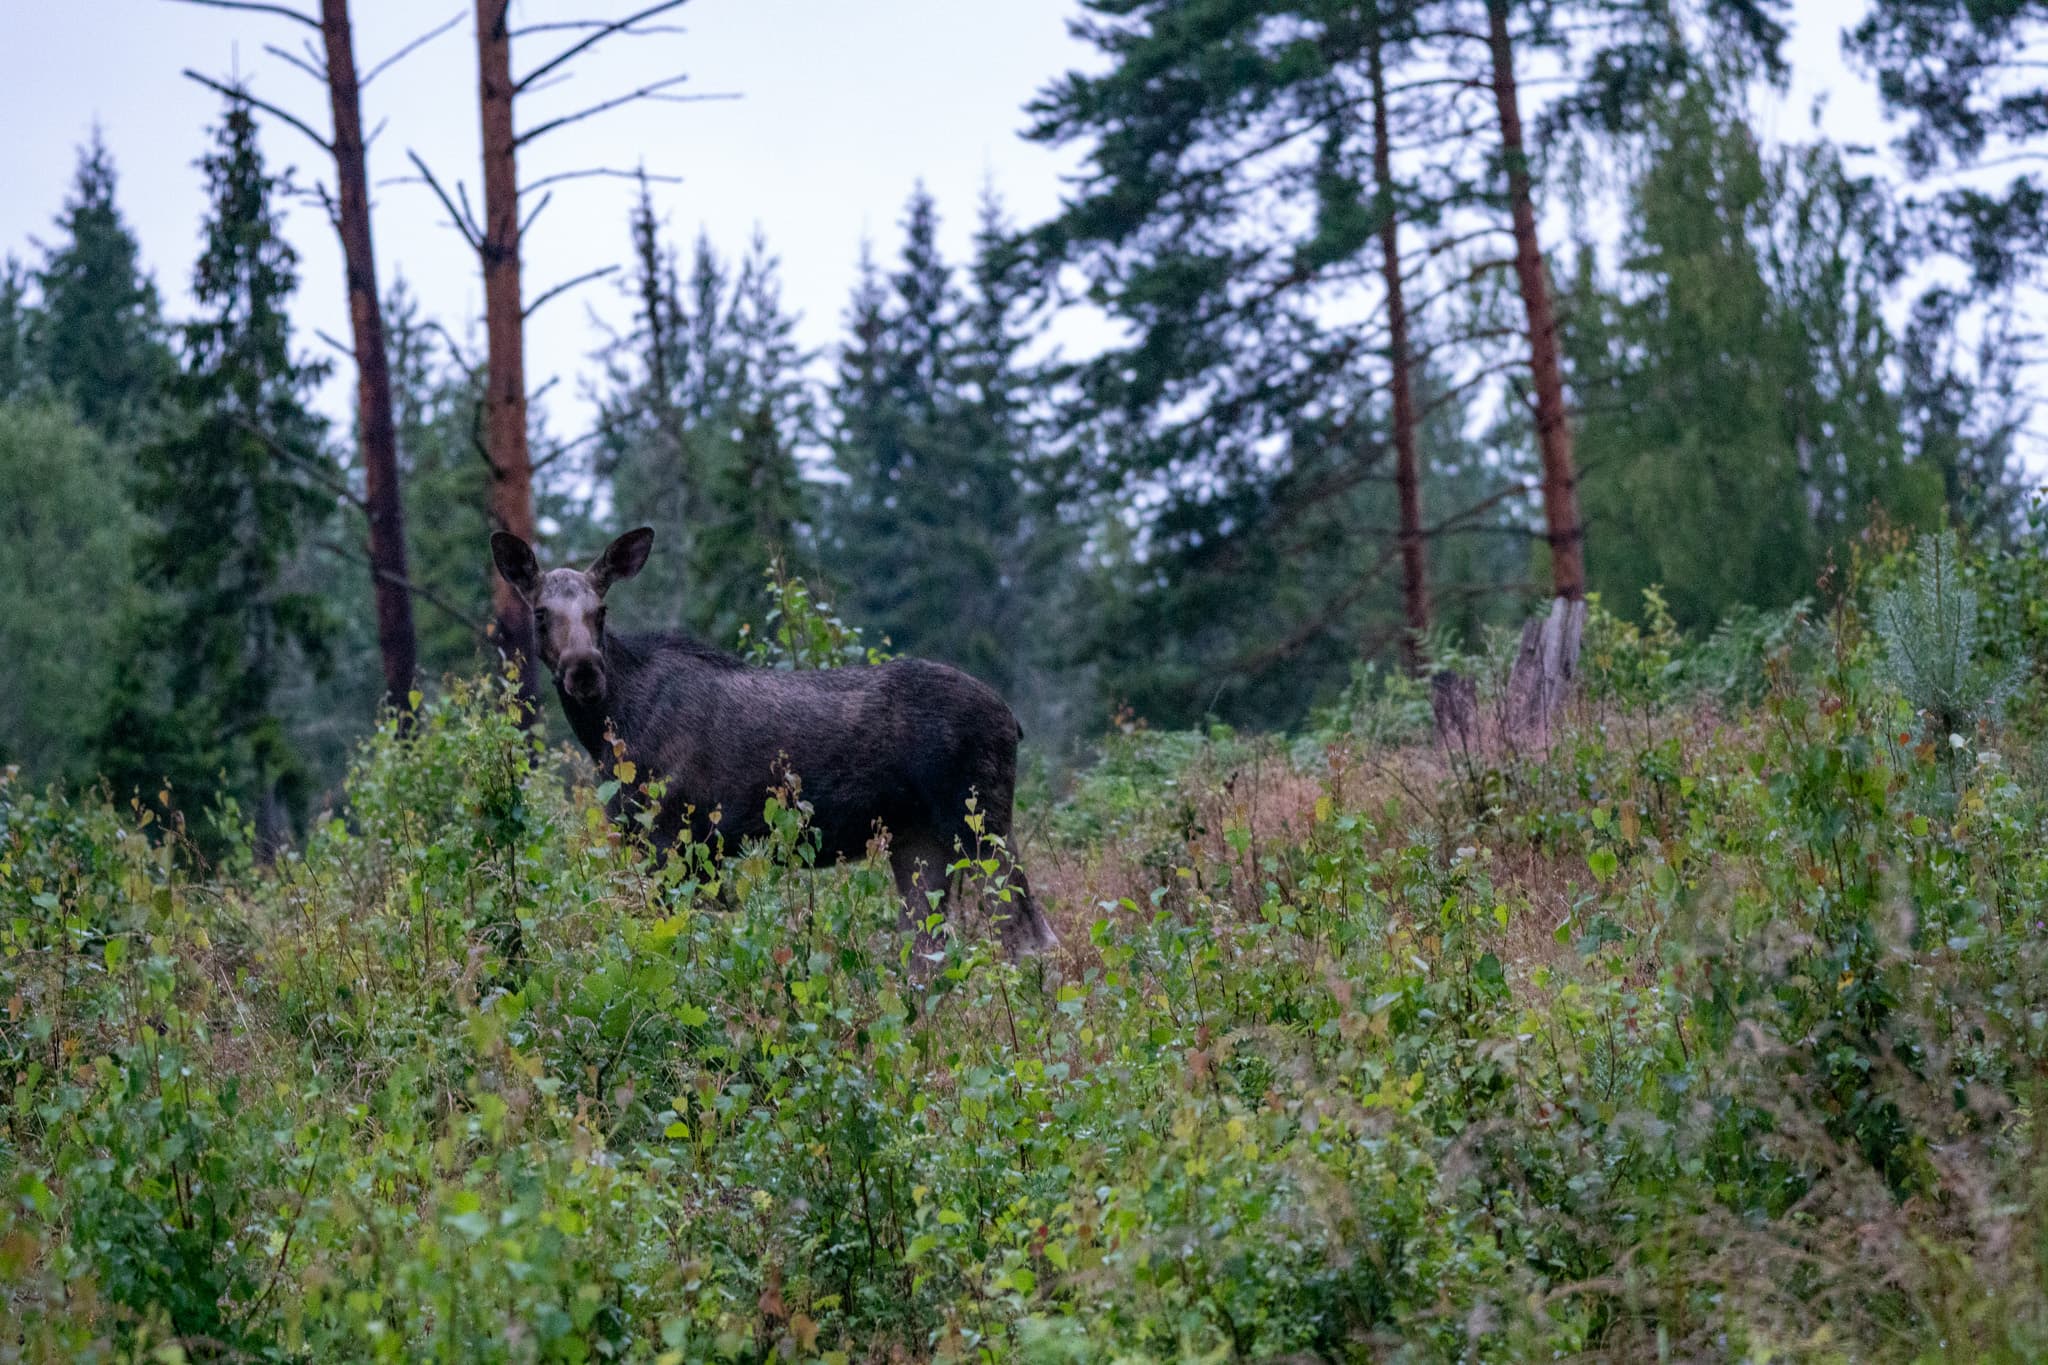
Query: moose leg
x: 920, y: 865
x: 1024, y: 928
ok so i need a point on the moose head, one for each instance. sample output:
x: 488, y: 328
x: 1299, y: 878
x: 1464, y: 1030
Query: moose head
x: 568, y: 606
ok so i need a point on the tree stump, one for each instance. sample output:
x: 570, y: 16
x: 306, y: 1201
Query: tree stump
x: 1546, y: 667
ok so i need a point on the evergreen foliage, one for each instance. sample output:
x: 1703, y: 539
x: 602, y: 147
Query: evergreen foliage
x: 96, y: 335
x: 934, y: 444
x: 708, y: 411
x: 65, y: 557
x: 1739, y: 417
x: 232, y: 487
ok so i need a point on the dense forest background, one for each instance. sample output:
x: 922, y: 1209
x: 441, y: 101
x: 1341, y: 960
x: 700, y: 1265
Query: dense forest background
x: 1404, y: 315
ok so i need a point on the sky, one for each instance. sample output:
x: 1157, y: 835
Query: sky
x: 842, y: 108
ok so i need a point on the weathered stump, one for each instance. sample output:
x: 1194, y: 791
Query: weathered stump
x: 1546, y: 667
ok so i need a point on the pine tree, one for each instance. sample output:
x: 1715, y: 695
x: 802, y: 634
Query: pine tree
x: 16, y: 373
x: 97, y: 336
x: 926, y: 436
x: 707, y: 410
x: 756, y: 505
x: 232, y: 487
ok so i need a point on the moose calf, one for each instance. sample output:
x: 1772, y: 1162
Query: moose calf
x: 900, y: 746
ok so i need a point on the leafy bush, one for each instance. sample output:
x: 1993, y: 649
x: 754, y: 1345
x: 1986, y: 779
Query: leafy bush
x: 1714, y: 1031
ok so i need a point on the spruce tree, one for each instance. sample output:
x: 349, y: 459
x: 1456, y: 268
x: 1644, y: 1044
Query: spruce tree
x: 97, y: 336
x: 16, y: 373
x: 231, y: 486
x: 707, y: 409
x: 926, y: 437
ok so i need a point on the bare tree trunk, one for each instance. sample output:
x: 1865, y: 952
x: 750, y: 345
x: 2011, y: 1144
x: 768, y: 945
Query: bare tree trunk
x: 1553, y: 426
x: 511, y: 493
x: 1407, y: 460
x: 396, y: 639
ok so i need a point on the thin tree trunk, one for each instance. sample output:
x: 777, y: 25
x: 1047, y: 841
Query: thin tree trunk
x: 396, y: 639
x: 511, y: 493
x: 1553, y: 427
x: 1407, y: 460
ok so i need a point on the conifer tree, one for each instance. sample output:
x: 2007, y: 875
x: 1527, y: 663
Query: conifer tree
x: 97, y: 335
x: 15, y: 317
x: 927, y: 438
x: 231, y: 486
x: 707, y: 411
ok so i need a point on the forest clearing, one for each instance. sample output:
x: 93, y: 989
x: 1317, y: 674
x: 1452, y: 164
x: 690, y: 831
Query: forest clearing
x: 1714, y: 1029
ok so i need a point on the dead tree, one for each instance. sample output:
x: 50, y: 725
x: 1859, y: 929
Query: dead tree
x: 1400, y: 361
x: 1565, y: 530
x: 349, y: 211
x: 497, y: 240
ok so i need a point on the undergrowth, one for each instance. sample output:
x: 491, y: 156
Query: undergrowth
x: 1716, y: 1030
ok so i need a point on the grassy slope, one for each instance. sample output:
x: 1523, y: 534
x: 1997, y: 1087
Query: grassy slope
x: 1716, y: 1030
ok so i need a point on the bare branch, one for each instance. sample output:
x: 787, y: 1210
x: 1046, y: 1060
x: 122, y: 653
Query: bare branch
x: 336, y: 342
x: 426, y: 595
x: 650, y: 91
x: 237, y: 93
x: 585, y: 25
x: 545, y: 200
x: 294, y: 59
x: 462, y: 225
x: 415, y: 45
x: 376, y: 132
x: 541, y: 392
x: 566, y: 285
x: 597, y: 36
x: 319, y: 472
x: 610, y: 172
x: 284, y: 11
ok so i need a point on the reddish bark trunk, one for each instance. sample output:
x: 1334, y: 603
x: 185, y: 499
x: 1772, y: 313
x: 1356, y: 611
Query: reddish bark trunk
x: 1407, y: 459
x: 396, y: 639
x: 1553, y: 425
x: 511, y: 493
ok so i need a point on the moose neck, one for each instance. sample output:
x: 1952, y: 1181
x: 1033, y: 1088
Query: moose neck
x: 590, y: 719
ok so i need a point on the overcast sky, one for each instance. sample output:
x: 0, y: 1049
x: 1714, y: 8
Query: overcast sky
x: 843, y: 107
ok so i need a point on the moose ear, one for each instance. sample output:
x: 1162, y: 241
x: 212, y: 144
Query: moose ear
x: 514, y: 558
x: 621, y: 559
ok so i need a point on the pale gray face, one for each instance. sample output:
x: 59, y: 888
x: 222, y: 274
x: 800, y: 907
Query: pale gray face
x: 568, y: 606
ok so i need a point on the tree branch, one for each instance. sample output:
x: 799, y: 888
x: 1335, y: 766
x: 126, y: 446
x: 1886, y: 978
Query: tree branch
x: 284, y: 11
x: 469, y: 233
x: 610, y: 172
x: 426, y: 595
x: 294, y: 59
x: 410, y: 48
x: 236, y: 93
x: 650, y: 91
x: 566, y: 285
x: 604, y: 31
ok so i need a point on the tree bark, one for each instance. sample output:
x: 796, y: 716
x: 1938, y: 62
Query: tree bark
x: 511, y: 493
x: 1566, y: 533
x: 396, y: 639
x: 1407, y: 459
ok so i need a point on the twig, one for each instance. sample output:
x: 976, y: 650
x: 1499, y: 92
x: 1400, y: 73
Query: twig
x: 566, y: 285
x: 336, y: 343
x: 410, y: 48
x: 426, y: 595
x: 469, y: 234
x: 649, y: 91
x: 527, y: 223
x: 609, y: 171
x: 283, y: 10
x: 294, y: 59
x: 308, y: 466
x: 242, y: 94
x: 605, y: 31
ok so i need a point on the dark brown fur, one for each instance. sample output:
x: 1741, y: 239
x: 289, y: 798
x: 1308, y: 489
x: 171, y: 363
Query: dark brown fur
x: 900, y: 748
